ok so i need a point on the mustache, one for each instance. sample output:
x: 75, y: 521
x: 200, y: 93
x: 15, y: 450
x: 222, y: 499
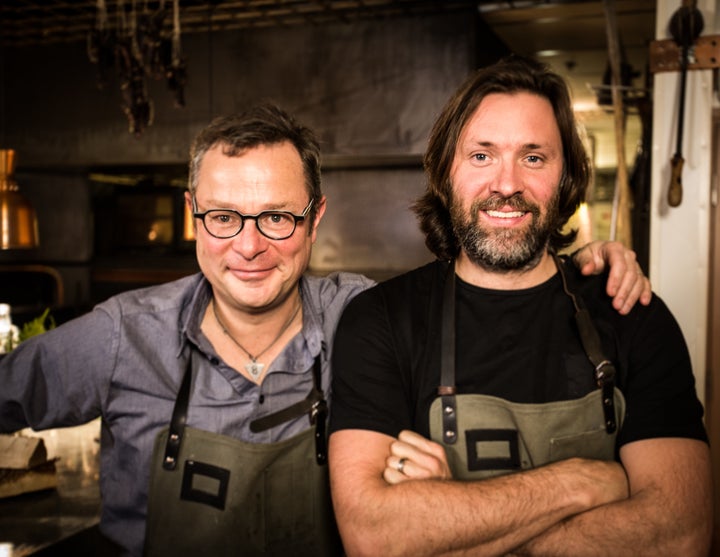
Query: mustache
x: 496, y: 202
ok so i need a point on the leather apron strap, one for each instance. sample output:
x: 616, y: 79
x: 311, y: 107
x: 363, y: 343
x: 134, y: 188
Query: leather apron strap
x: 178, y: 420
x: 447, y: 390
x: 604, y: 368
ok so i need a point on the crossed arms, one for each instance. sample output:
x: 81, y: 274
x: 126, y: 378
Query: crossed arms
x: 658, y: 502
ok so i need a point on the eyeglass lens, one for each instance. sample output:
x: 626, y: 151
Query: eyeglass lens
x: 224, y: 224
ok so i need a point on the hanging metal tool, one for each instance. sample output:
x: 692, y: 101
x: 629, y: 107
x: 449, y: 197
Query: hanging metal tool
x: 685, y: 26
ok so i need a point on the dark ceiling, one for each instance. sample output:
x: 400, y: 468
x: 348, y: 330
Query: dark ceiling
x: 27, y: 22
x: 570, y: 35
x: 526, y: 24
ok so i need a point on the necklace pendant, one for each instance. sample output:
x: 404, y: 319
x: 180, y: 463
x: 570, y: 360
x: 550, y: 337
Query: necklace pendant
x: 254, y: 368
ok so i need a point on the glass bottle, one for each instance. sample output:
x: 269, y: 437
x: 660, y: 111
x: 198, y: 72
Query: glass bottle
x: 9, y: 333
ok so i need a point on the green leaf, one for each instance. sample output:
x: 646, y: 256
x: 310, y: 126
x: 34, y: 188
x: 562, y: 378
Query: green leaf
x: 37, y: 326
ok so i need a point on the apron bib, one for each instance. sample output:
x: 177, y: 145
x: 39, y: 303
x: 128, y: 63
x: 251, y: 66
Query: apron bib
x: 486, y: 436
x: 498, y: 437
x: 211, y: 494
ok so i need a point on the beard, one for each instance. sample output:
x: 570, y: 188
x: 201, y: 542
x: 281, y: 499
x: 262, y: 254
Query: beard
x: 504, y: 249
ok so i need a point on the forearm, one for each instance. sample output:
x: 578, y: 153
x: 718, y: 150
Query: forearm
x: 659, y: 519
x: 630, y: 528
x: 436, y: 517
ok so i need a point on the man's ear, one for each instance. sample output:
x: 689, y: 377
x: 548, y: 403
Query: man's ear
x: 189, y: 212
x: 319, y: 212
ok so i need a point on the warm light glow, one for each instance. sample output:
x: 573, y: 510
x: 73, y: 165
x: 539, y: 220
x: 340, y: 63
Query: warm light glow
x: 18, y: 223
x: 188, y: 224
x: 582, y: 106
x: 548, y: 53
x: 583, y: 222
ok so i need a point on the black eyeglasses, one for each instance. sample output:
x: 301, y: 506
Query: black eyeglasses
x: 226, y: 223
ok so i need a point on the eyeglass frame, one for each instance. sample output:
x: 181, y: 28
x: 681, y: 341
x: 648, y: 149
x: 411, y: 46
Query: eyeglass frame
x: 296, y: 219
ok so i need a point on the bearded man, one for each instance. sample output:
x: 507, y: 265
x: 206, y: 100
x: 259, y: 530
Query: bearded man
x: 493, y: 402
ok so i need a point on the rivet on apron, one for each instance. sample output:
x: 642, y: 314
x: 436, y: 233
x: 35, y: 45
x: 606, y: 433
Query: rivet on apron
x: 450, y: 433
x: 449, y: 410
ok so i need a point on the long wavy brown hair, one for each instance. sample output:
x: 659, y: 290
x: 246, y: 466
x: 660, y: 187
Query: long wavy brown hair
x: 510, y: 75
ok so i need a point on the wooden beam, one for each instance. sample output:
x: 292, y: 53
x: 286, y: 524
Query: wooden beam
x: 704, y: 55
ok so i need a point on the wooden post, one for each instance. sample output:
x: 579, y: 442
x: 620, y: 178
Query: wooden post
x: 621, y: 225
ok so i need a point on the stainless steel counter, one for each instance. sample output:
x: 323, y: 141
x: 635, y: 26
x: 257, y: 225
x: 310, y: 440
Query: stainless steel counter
x: 34, y: 521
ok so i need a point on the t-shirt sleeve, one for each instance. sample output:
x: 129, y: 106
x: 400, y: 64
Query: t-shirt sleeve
x: 660, y: 385
x: 368, y: 389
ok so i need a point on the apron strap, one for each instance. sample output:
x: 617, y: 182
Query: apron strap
x: 313, y: 404
x: 604, y: 368
x: 447, y: 389
x: 179, y: 418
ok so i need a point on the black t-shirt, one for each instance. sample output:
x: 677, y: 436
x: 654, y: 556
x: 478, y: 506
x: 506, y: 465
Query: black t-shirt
x: 520, y: 345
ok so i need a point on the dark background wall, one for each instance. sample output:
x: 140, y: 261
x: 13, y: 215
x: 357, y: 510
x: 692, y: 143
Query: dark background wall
x: 370, y: 89
x: 366, y: 87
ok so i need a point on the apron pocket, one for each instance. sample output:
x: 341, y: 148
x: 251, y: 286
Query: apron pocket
x: 596, y: 444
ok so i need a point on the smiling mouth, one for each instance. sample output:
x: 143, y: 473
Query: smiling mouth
x: 247, y: 274
x: 506, y: 214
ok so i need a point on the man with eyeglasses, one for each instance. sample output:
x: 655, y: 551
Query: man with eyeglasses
x: 213, y: 389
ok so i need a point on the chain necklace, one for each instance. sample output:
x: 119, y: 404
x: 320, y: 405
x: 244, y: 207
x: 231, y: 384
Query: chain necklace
x: 253, y: 367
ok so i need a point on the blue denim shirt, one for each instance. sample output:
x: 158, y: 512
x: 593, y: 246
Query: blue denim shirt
x: 124, y: 362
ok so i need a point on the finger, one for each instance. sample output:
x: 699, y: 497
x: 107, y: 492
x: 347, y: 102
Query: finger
x: 421, y: 444
x: 397, y: 470
x: 585, y: 258
x: 640, y: 291
x: 421, y: 451
x: 393, y: 477
x: 623, y: 270
x: 424, y: 458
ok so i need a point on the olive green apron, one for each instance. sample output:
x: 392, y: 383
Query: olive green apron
x: 211, y: 494
x: 486, y: 436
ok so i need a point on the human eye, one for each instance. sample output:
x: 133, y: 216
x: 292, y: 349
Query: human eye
x: 480, y: 157
x: 534, y: 160
x: 276, y: 221
x: 222, y: 220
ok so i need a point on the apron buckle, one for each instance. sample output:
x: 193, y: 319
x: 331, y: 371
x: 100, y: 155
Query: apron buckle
x: 318, y: 417
x: 318, y: 410
x: 605, y: 377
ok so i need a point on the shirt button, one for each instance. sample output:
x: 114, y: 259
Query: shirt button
x: 261, y: 399
x: 214, y: 361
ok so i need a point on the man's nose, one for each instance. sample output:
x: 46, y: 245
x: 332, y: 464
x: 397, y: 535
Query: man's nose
x: 508, y: 179
x: 249, y: 242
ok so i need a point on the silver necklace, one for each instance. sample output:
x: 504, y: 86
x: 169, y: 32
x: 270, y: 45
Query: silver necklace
x: 253, y: 367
